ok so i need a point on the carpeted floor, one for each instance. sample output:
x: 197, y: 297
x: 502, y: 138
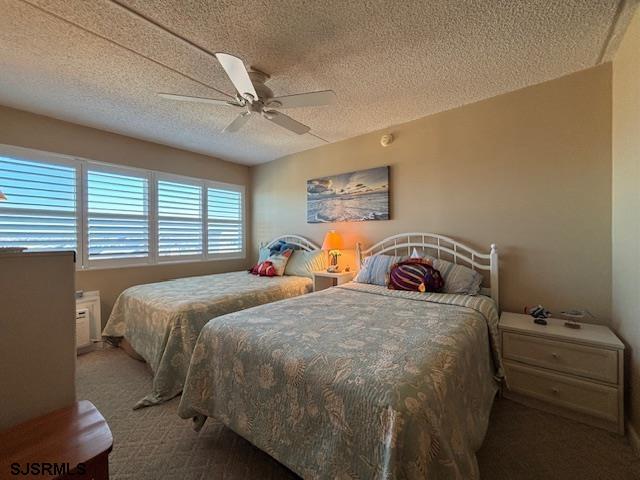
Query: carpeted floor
x: 154, y: 443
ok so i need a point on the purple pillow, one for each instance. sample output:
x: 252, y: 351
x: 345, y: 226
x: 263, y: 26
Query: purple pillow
x: 415, y: 275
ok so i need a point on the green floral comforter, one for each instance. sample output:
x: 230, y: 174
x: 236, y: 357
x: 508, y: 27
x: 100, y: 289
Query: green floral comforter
x: 162, y: 320
x: 356, y: 381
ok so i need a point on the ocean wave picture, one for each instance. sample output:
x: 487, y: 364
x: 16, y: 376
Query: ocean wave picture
x: 349, y: 197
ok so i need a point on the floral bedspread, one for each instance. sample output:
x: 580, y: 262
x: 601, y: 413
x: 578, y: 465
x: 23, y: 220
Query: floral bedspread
x: 356, y: 381
x: 162, y: 320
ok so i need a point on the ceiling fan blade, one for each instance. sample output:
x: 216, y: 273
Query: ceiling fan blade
x: 237, y: 124
x: 311, y: 99
x: 286, y: 122
x: 237, y: 73
x: 186, y: 98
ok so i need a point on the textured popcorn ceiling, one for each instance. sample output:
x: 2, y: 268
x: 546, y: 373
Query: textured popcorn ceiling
x: 95, y: 63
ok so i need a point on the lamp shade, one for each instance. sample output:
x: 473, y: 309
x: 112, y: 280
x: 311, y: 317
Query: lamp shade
x: 332, y: 241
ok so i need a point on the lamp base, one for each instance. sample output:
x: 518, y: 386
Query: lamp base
x: 333, y: 269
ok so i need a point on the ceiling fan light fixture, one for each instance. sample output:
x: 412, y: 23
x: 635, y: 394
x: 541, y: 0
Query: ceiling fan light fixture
x: 253, y: 96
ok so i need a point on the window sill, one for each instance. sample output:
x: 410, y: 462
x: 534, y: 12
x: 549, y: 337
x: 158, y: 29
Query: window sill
x: 158, y: 264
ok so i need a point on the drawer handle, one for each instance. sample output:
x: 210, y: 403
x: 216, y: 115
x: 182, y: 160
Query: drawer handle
x: 555, y: 355
x: 555, y: 390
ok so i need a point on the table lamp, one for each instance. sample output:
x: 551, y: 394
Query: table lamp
x: 332, y: 243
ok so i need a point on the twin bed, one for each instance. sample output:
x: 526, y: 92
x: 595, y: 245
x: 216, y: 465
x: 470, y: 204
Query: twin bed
x: 358, y: 381
x: 161, y: 321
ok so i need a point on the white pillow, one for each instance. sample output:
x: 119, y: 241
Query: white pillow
x: 457, y: 278
x: 302, y: 263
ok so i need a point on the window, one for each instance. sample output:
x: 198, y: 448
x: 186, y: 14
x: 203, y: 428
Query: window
x: 179, y: 219
x: 115, y: 216
x: 225, y: 221
x: 40, y: 210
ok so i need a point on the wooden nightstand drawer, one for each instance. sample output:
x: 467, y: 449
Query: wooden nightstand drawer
x: 590, y: 362
x: 582, y: 396
x: 577, y: 373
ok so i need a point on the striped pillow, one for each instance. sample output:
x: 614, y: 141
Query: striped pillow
x: 376, y: 269
x: 416, y: 275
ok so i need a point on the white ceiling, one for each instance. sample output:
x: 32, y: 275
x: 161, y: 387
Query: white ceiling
x: 98, y: 64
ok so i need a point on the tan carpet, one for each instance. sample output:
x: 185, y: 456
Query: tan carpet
x: 154, y: 443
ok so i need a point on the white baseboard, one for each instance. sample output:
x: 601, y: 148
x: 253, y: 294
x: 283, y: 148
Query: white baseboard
x: 634, y: 439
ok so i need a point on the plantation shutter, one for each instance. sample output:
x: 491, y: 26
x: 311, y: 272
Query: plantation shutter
x: 180, y: 228
x: 225, y: 222
x: 39, y: 212
x: 117, y: 215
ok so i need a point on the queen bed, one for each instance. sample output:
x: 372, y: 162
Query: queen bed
x: 161, y: 321
x: 359, y: 381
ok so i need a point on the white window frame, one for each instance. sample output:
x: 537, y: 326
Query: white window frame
x: 27, y: 154
x: 168, y: 177
x: 83, y: 164
x: 89, y: 264
x: 243, y: 201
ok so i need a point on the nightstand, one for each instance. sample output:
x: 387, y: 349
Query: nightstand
x: 323, y: 279
x: 577, y: 373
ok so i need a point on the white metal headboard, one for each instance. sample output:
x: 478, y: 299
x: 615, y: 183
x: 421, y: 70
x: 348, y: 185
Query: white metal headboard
x: 296, y: 240
x: 442, y: 247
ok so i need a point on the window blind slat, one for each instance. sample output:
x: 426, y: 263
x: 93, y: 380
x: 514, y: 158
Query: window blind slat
x: 43, y: 209
x: 224, y: 221
x: 39, y: 213
x: 179, y: 219
x: 117, y: 216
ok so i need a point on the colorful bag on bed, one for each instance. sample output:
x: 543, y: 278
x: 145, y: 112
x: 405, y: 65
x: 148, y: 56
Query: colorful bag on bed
x: 273, y: 266
x: 416, y: 275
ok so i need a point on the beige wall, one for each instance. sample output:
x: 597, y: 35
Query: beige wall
x: 529, y: 170
x: 626, y: 207
x: 43, y: 133
x: 37, y: 343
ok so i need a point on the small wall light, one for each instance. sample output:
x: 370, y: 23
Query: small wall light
x: 386, y: 140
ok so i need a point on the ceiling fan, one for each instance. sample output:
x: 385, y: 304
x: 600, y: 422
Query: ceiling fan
x: 253, y: 96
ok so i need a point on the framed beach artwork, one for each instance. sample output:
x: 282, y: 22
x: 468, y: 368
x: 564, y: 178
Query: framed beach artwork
x: 349, y: 197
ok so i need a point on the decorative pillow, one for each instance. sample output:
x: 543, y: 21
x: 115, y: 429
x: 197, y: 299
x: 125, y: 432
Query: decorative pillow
x: 277, y: 262
x: 263, y: 254
x: 415, y: 274
x: 281, y: 246
x: 302, y: 263
x: 264, y: 269
x: 376, y: 269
